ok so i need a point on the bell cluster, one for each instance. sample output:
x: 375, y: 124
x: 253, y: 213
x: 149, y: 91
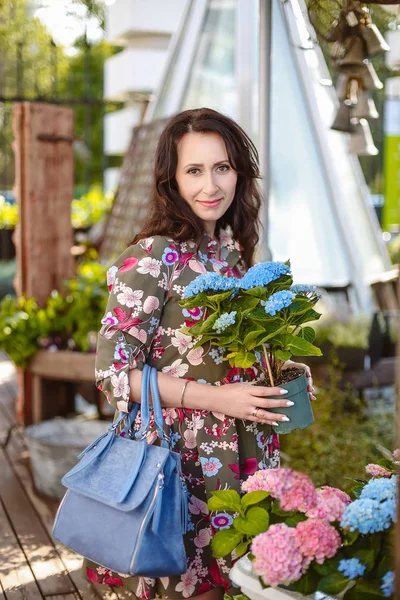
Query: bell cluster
x: 355, y: 41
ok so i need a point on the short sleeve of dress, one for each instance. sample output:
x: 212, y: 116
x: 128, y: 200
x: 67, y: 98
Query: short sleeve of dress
x: 138, y: 284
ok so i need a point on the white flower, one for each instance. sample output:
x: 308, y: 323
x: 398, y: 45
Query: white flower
x: 190, y: 438
x: 170, y: 415
x: 203, y: 538
x: 195, y: 356
x: 129, y: 297
x: 176, y: 369
x: 187, y: 584
x: 197, y: 506
x: 111, y: 275
x: 149, y: 265
x: 139, y: 334
x: 120, y: 384
x: 182, y: 342
x: 198, y: 422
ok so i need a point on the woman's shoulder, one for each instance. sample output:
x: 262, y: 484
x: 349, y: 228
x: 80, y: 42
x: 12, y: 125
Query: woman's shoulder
x: 156, y: 247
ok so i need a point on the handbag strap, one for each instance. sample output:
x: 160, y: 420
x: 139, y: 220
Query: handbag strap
x: 158, y: 416
x: 144, y: 405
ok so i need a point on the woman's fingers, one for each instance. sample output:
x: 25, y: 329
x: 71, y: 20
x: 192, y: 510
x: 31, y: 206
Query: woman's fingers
x: 263, y: 416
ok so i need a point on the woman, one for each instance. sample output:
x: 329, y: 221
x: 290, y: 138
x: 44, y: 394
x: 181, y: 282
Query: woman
x: 204, y: 217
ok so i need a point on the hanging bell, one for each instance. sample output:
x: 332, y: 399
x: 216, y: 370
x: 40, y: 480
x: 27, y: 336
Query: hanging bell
x: 352, y: 92
x: 361, y: 142
x: 342, y: 120
x: 365, y: 107
x: 355, y: 53
x: 338, y: 31
x: 370, y: 79
x: 374, y: 41
x: 342, y: 84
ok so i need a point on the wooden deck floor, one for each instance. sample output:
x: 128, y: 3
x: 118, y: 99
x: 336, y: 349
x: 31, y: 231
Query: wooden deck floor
x: 32, y: 564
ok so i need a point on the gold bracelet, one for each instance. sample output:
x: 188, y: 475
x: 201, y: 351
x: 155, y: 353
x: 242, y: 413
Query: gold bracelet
x: 183, y: 391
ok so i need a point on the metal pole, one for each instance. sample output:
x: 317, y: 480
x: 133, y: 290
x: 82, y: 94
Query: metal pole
x: 265, y: 39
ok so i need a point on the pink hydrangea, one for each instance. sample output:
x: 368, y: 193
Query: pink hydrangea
x: 294, y: 490
x: 318, y: 540
x: 331, y: 504
x: 396, y: 453
x: 278, y: 559
x: 377, y: 471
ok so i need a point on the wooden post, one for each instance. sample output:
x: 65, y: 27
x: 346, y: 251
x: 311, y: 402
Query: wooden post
x: 44, y: 180
x: 43, y: 136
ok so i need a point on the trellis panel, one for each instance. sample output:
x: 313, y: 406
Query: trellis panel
x: 130, y: 207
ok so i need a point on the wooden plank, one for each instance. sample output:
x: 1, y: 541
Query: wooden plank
x: 17, y: 580
x: 63, y: 365
x: 47, y: 567
x: 63, y: 597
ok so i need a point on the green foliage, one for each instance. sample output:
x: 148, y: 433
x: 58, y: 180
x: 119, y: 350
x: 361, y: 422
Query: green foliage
x: 342, y: 430
x: 67, y: 321
x: 8, y: 214
x: 352, y: 332
x: 394, y: 249
x: 255, y: 335
x: 90, y: 208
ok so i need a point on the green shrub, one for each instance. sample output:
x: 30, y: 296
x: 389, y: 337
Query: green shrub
x: 8, y: 214
x: 90, y: 208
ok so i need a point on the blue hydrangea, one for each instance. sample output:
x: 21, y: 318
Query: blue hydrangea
x: 352, y: 568
x: 262, y: 274
x: 303, y: 290
x: 380, y: 489
x: 277, y: 301
x: 366, y: 516
x: 209, y: 281
x: 387, y: 585
x: 224, y: 321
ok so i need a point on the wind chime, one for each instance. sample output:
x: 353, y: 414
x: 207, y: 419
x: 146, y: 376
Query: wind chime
x: 355, y: 41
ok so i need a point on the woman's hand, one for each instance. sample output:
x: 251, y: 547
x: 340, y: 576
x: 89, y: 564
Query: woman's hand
x: 290, y: 363
x: 246, y: 401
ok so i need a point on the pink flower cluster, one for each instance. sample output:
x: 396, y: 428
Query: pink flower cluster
x: 331, y: 504
x: 282, y: 554
x: 278, y: 559
x: 377, y: 470
x: 294, y: 490
x: 317, y: 539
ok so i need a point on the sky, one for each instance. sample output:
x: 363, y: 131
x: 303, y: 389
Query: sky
x: 65, y: 20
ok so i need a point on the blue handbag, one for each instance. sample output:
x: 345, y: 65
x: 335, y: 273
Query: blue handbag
x: 126, y: 503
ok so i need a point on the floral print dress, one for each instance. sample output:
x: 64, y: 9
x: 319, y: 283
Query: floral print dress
x: 141, y: 324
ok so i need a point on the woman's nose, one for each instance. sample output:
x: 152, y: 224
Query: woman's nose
x: 210, y: 187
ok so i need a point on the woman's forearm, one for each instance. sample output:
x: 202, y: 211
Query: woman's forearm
x: 197, y: 395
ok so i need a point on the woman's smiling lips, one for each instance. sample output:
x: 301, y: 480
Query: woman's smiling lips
x: 210, y: 204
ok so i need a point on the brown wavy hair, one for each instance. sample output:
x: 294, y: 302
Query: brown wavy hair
x: 171, y: 215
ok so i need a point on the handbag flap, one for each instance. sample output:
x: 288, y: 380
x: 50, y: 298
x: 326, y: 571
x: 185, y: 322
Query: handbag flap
x: 127, y: 465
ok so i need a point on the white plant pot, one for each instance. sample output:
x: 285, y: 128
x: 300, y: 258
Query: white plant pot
x: 242, y: 575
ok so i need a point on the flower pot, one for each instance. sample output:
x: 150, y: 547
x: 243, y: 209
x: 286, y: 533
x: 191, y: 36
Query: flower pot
x: 300, y: 414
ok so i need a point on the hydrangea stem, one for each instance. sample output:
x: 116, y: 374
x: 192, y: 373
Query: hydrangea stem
x: 268, y: 366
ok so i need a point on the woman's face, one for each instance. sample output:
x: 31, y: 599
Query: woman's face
x: 204, y: 176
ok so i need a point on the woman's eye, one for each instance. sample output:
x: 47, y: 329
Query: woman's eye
x: 191, y: 171
x: 224, y: 167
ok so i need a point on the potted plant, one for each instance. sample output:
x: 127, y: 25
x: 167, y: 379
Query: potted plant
x: 303, y: 540
x: 260, y: 320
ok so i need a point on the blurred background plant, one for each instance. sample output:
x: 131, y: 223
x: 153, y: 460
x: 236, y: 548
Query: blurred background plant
x: 90, y: 208
x: 68, y: 321
x: 8, y: 214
